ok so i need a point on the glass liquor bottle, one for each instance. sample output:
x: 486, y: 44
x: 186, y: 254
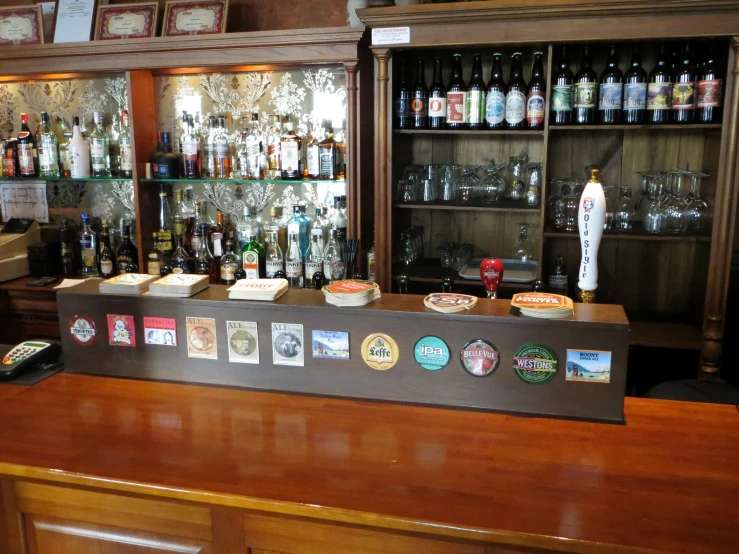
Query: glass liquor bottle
x: 476, y: 92
x: 338, y: 218
x: 371, y: 264
x: 99, y: 148
x: 536, y: 99
x: 402, y: 107
x: 340, y: 156
x: 419, y: 99
x: 221, y: 151
x: 190, y: 152
x: 558, y: 279
x: 709, y: 90
x: 275, y: 225
x: 198, y: 238
x: 216, y: 237
x: 294, y: 263
x: 327, y: 154
x: 64, y: 168
x: 254, y: 150
x: 586, y: 90
x: 165, y: 223
x: 562, y: 92
x: 291, y: 158
x: 683, y: 89
x: 333, y: 259
x: 27, y: 152
x: 209, y: 160
x: 300, y: 226
x: 167, y: 164
x: 312, y: 159
x: 274, y: 138
x: 89, y: 248
x: 124, y: 142
x: 274, y: 259
x: 611, y: 90
x: 253, y: 258
x: 67, y: 246
x: 229, y: 264
x: 180, y: 260
x: 437, y: 98
x: 155, y: 260
x: 240, y: 170
x: 180, y: 215
x: 127, y: 254
x: 204, y: 262
x: 48, y: 152
x: 107, y: 258
x: 313, y: 260
x: 456, y: 97
x: 515, y: 98
x: 495, y: 99
x: 318, y: 230
x: 635, y: 90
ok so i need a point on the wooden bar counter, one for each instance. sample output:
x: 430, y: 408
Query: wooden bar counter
x: 102, y: 465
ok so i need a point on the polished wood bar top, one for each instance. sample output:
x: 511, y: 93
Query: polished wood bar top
x: 667, y: 481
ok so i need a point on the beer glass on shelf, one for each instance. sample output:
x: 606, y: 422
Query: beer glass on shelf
x: 697, y: 210
x: 674, y: 206
x: 522, y: 247
x: 623, y: 218
x: 533, y: 184
x: 430, y: 183
x: 469, y: 185
x: 451, y: 177
x: 517, y: 166
x: 608, y: 223
x: 571, y: 206
x: 492, y: 185
x: 654, y: 214
x: 555, y: 204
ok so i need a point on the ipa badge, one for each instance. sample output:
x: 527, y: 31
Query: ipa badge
x: 431, y: 353
x: 479, y: 358
x: 380, y: 351
x: 535, y: 363
x: 82, y: 329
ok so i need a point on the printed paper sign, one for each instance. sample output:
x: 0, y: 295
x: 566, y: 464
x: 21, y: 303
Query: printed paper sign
x: 243, y: 342
x: 331, y: 345
x: 287, y: 344
x: 201, y: 338
x: 391, y: 35
x: 591, y: 366
x: 160, y: 330
x: 121, y: 330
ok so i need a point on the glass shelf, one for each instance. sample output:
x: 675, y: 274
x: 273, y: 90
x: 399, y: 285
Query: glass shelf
x: 242, y: 181
x: 67, y: 179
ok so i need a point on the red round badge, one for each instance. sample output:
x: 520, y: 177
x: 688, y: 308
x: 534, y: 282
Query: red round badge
x: 82, y: 329
x: 479, y: 358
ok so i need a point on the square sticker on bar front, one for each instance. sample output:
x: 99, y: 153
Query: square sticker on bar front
x: 588, y: 366
x: 331, y: 345
x: 121, y: 330
x: 243, y: 342
x: 160, y: 330
x: 201, y: 338
x: 287, y: 344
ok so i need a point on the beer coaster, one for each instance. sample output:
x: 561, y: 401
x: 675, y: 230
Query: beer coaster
x: 380, y: 351
x: 535, y: 364
x: 449, y: 302
x: 542, y: 305
x: 479, y: 357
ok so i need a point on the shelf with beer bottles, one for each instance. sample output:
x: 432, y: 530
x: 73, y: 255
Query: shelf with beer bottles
x: 662, y: 280
x: 248, y: 181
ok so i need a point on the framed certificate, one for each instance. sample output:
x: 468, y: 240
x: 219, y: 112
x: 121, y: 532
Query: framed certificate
x: 21, y: 25
x: 126, y: 21
x: 74, y: 20
x: 194, y: 17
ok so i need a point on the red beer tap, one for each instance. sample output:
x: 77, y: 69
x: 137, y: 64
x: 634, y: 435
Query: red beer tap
x: 491, y: 273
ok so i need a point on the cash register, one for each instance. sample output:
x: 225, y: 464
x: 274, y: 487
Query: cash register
x: 15, y: 237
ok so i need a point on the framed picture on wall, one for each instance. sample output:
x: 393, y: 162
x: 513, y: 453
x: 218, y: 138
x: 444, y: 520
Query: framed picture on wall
x: 138, y: 20
x: 73, y: 21
x: 21, y: 25
x: 194, y: 17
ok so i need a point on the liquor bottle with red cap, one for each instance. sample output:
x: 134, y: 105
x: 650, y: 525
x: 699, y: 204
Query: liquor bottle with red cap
x: 27, y: 153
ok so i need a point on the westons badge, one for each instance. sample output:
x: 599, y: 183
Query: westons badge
x: 535, y: 363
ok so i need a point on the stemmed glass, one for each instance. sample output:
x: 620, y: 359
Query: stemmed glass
x: 654, y: 218
x: 608, y: 223
x: 533, y: 184
x: 518, y: 169
x: 696, y: 211
x: 674, y: 206
x: 624, y: 217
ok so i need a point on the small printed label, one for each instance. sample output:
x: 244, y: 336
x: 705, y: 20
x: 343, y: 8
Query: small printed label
x: 190, y: 148
x: 290, y: 156
x: 659, y: 96
x: 535, y: 363
x: 683, y: 96
x: 82, y: 329
x: 585, y: 95
x: 228, y: 272
x: 312, y: 268
x: 591, y: 366
x: 515, y: 107
x: 479, y: 357
x: 456, y: 107
x: 287, y: 344
x: 419, y: 106
x: 331, y: 345
x: 391, y: 35
x: 201, y: 338
x: 97, y: 150
x: 610, y: 96
x: 562, y: 98
x: 709, y: 93
x: 437, y: 106
x: 380, y: 351
x: 475, y: 106
x: 161, y: 331
x: 25, y: 159
x: 272, y: 267
x: 431, y: 353
x: 635, y: 96
x: 121, y: 330
x: 535, y: 108
x: 294, y: 269
x: 106, y: 267
x: 402, y: 107
x: 251, y: 264
x: 243, y: 342
x: 495, y: 107
x: 313, y: 163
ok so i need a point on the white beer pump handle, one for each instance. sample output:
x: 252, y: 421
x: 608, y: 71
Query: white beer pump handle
x: 591, y: 219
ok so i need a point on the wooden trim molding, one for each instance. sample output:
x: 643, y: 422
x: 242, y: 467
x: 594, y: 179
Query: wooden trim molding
x: 352, y: 162
x: 383, y: 199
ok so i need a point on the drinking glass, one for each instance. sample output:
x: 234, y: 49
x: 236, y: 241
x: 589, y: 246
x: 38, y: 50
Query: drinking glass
x: 468, y: 188
x: 406, y: 192
x: 522, y: 246
x: 654, y: 218
x: 430, y: 179
x: 608, y: 223
x: 517, y: 165
x: 451, y: 177
x: 674, y: 206
x: 623, y: 218
x: 571, y: 206
x: 533, y: 183
x: 492, y: 185
x: 696, y: 212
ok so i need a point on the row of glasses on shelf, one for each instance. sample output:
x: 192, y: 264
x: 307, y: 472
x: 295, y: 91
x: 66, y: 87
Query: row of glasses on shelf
x: 411, y: 241
x: 472, y: 185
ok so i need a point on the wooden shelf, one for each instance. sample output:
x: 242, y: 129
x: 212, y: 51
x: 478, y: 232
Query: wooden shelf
x: 623, y: 127
x: 682, y: 336
x: 430, y: 271
x: 241, y: 181
x: 633, y: 235
x: 469, y: 132
x: 508, y: 207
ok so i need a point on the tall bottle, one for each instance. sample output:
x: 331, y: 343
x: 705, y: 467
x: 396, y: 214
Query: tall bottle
x: 79, y: 153
x: 127, y: 253
x: 683, y: 89
x: 562, y: 92
x: 89, y: 248
x: 27, y: 152
x: 99, y: 148
x: 611, y: 90
x: 419, y: 99
x: 253, y: 150
x: 107, y: 257
x: 221, y: 151
x: 635, y: 90
x: 298, y: 225
x: 709, y: 90
x: 313, y: 260
x: 294, y: 263
x: 229, y: 264
x: 476, y: 93
x: 191, y: 152
x: 166, y: 231
x: 312, y: 157
x: 456, y: 97
x: 196, y: 238
x: 402, y: 107
x: 48, y: 149
x: 253, y: 258
x: 64, y: 167
x: 327, y: 154
x: 333, y: 259
x: 515, y: 99
x: 495, y: 99
x: 274, y: 258
x: 276, y: 226
x: 338, y: 218
x: 205, y: 264
x: 291, y: 154
x: 274, y: 138
x: 536, y: 99
x: 67, y: 246
x: 586, y: 90
x: 437, y: 99
x: 124, y: 142
x: 155, y: 260
x: 179, y: 215
x: 318, y: 230
x: 217, y: 237
x: 208, y: 160
x: 659, y: 90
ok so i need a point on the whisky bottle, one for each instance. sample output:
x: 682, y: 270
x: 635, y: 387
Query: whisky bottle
x: 107, y: 258
x: 221, y: 151
x: 180, y: 261
x: 254, y: 151
x: 190, y: 152
x: 165, y: 223
x: 47, y: 149
x: 274, y: 137
x: 313, y: 260
x: 124, y: 142
x: 88, y: 246
x: 229, y: 264
x: 165, y: 164
x: 127, y: 253
x: 253, y: 258
x: 274, y: 259
x: 294, y: 263
x: 327, y: 154
x: 27, y: 152
x: 291, y: 150
x: 155, y: 259
x: 179, y: 219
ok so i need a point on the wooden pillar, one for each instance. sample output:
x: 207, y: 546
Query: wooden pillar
x: 352, y: 142
x: 383, y: 197
x: 723, y: 223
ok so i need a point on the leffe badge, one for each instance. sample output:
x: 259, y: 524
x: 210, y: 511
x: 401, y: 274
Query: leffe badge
x: 380, y: 351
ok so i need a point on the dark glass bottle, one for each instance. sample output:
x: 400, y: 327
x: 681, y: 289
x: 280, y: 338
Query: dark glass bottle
x: 403, y: 100
x: 127, y: 253
x: 419, y: 98
x: 683, y: 89
x: 659, y: 90
x: 180, y: 261
x: 562, y: 92
x: 27, y: 152
x: 495, y: 99
x: 204, y: 263
x: 456, y: 97
x: 586, y: 90
x: 536, y: 99
x: 476, y: 90
x: 107, y: 258
x: 67, y: 239
x: 635, y: 90
x: 709, y: 90
x: 437, y: 99
x: 611, y: 90
x: 515, y: 99
x: 165, y: 164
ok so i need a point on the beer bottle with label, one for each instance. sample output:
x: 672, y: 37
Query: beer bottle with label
x: 476, y: 91
x: 709, y: 90
x: 456, y: 97
x: 562, y: 92
x: 683, y: 89
x: 495, y: 99
x: 659, y: 90
x: 27, y: 153
x: 403, y: 100
x: 635, y: 90
x: 437, y: 98
x: 515, y: 99
x: 586, y: 89
x: 327, y: 154
x: 419, y: 99
x: 536, y: 100
x: 611, y: 90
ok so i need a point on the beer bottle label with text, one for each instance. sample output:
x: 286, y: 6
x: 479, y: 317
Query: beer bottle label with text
x: 495, y: 107
x: 401, y: 107
x: 294, y: 269
x: 228, y: 272
x: 562, y: 98
x: 127, y: 157
x: 437, y: 106
x: 456, y: 107
x: 310, y: 269
x: 515, y: 107
x: 683, y: 96
x: 585, y: 95
x: 709, y: 93
x: 659, y: 96
x: 251, y: 264
x: 610, y: 96
x: 475, y: 105
x: 419, y: 106
x: 273, y: 267
x: 289, y: 159
x: 25, y: 159
x: 635, y: 96
x: 535, y: 108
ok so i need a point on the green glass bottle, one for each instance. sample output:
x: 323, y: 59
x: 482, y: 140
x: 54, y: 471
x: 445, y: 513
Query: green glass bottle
x: 253, y: 258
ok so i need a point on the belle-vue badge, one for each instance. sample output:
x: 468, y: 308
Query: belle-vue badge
x: 479, y: 357
x: 535, y: 363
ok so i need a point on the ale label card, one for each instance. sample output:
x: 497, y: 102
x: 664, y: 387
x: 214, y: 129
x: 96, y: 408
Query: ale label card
x: 201, y: 338
x: 243, y: 342
x: 287, y: 344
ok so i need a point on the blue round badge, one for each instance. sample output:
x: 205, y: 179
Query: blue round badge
x: 431, y: 353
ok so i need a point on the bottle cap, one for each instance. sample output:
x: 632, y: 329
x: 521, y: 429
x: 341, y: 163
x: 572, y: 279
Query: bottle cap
x: 255, y: 117
x: 85, y: 216
x: 289, y: 126
x: 273, y: 211
x: 44, y: 117
x: 24, y: 118
x: 165, y: 136
x: 75, y: 120
x: 97, y: 117
x: 296, y: 209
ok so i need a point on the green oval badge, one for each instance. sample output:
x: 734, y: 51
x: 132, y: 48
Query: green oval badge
x: 431, y: 353
x: 535, y: 364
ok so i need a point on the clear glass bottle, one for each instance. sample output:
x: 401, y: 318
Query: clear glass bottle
x: 64, y: 168
x: 274, y: 258
x: 48, y: 149
x: 208, y: 159
x: 99, y: 148
x: 205, y: 264
x: 114, y: 145
x: 522, y: 246
x: 274, y: 143
x: 180, y: 215
x: 166, y: 232
x: 371, y: 267
x: 313, y: 261
x: 191, y: 151
x: 229, y: 264
x: 124, y: 143
x: 89, y: 248
x: 294, y: 263
x: 222, y: 151
x: 312, y: 159
x: 291, y: 154
x: 254, y: 151
x: 241, y: 161
x: 338, y: 218
x: 623, y: 219
x: 333, y: 259
x: 318, y: 230
x: 107, y: 258
x: 197, y: 239
x: 299, y: 224
x: 277, y: 226
x: 180, y: 260
x: 155, y: 259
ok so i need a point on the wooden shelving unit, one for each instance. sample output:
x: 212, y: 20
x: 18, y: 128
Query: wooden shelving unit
x: 666, y: 127
x: 631, y: 235
x: 503, y: 207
